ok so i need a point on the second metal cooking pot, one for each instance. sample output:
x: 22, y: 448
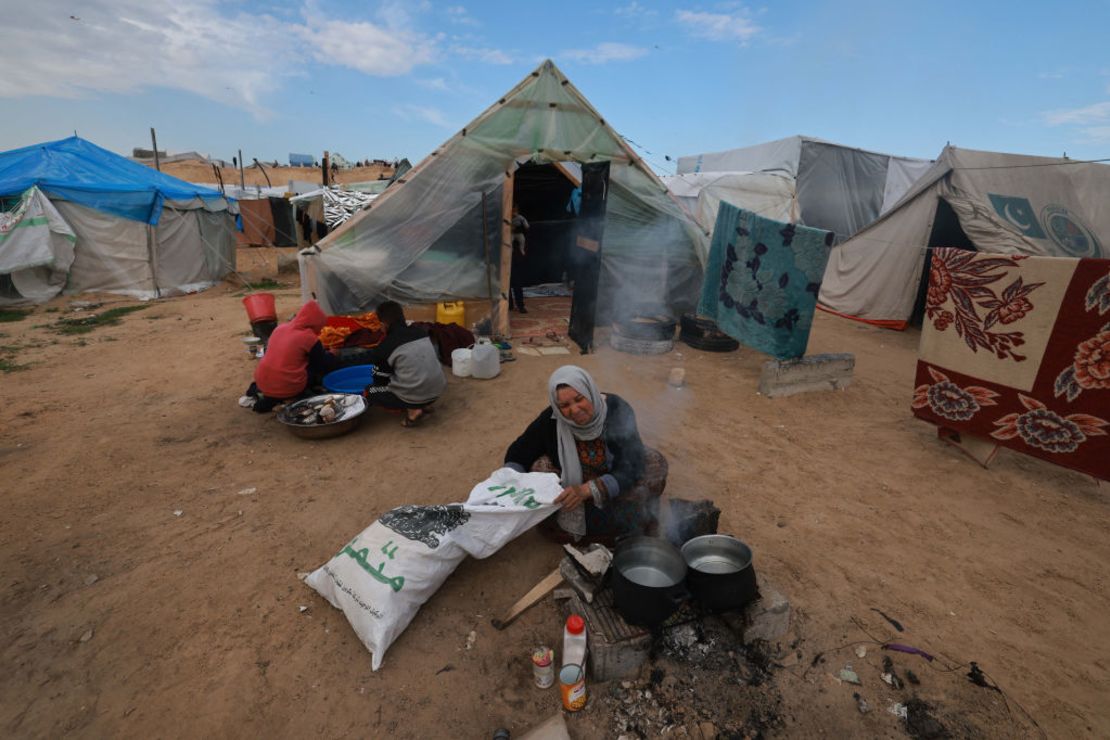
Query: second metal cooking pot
x: 648, y: 576
x: 721, y: 576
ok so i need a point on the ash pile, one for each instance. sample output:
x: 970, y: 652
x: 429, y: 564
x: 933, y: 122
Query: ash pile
x: 701, y: 683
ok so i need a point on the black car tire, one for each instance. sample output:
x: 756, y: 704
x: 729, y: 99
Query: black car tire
x: 635, y: 346
x: 716, y: 342
x: 696, y: 326
x: 650, y: 327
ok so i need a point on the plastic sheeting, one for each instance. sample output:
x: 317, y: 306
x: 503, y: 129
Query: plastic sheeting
x: 176, y: 267
x: 1005, y: 203
x: 901, y: 174
x: 112, y: 254
x: 337, y: 205
x: 781, y: 155
x: 36, y: 249
x: 771, y: 195
x: 422, y: 239
x: 839, y: 189
x: 78, y: 171
x: 188, y: 251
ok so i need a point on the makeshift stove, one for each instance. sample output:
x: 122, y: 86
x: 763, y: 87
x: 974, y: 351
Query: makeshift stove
x: 617, y: 649
x: 698, y: 676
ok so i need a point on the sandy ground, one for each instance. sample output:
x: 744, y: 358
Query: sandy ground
x: 191, y: 171
x: 120, y: 618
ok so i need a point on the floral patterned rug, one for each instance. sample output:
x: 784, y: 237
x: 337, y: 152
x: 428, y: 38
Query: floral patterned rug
x: 1017, y: 350
x: 762, y: 279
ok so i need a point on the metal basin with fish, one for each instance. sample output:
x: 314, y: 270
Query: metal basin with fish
x: 720, y: 575
x: 305, y: 418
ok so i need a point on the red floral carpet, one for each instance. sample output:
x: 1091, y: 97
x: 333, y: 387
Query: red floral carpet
x: 1017, y: 350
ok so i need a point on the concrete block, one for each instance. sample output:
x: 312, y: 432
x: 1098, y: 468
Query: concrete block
x: 594, y: 559
x: 810, y: 373
x: 614, y: 648
x: 583, y: 584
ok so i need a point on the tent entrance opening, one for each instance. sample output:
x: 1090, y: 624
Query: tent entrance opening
x: 545, y: 195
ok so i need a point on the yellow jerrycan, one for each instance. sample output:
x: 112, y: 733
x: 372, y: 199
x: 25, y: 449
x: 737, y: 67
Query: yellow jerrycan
x: 451, y: 313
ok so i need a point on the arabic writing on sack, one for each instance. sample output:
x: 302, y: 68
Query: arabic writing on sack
x: 362, y: 557
x: 523, y: 497
x: 355, y: 597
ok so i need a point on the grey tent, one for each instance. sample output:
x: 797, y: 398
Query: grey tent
x: 987, y: 201
x: 837, y: 188
x: 425, y: 238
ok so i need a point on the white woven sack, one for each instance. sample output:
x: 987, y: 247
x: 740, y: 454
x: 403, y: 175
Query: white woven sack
x: 382, y: 577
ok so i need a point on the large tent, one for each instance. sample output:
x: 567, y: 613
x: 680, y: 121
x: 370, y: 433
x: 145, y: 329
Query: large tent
x: 836, y: 188
x: 986, y: 201
x: 115, y: 226
x: 769, y: 194
x: 425, y: 238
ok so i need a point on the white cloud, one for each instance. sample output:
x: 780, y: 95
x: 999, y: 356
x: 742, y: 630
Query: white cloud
x: 1050, y: 76
x: 434, y: 83
x: 397, y: 14
x: 368, y: 48
x: 1097, y: 134
x: 489, y: 56
x: 198, y: 46
x: 719, y: 26
x: 603, y: 53
x: 635, y: 10
x: 428, y: 114
x: 459, y: 15
x: 1091, y: 114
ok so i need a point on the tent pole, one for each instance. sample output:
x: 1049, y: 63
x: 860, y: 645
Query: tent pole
x: 154, y: 143
x: 489, y: 264
x: 151, y: 250
x: 502, y: 327
x: 242, y: 185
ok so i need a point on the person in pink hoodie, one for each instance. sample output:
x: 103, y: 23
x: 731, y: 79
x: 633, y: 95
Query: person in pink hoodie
x: 294, y: 359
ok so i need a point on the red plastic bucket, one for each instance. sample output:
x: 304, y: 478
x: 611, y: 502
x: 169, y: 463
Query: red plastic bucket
x: 260, y: 307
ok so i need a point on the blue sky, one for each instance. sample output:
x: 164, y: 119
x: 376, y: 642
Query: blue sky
x: 392, y: 79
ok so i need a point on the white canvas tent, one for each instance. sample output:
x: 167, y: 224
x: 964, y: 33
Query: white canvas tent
x: 768, y: 194
x: 991, y: 202
x: 837, y: 188
x: 423, y: 239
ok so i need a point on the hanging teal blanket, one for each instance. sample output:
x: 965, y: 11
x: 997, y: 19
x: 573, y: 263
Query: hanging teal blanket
x: 761, y: 280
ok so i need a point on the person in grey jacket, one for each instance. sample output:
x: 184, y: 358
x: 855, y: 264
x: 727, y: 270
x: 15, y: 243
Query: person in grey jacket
x: 407, y: 373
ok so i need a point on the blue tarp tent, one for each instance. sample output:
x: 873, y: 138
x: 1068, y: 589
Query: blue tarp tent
x: 81, y: 172
x: 138, y: 232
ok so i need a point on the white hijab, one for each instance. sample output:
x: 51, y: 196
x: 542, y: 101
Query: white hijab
x: 567, y: 432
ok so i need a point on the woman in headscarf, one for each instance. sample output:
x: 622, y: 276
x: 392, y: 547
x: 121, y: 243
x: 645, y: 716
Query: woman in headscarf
x: 611, y: 481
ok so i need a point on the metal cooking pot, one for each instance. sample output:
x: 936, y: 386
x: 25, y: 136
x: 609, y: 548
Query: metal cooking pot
x: 648, y: 580
x: 721, y: 576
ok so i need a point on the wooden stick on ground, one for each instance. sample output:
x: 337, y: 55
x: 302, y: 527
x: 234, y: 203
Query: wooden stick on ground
x: 541, y: 589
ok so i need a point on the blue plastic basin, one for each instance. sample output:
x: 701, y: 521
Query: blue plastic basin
x: 353, y: 379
